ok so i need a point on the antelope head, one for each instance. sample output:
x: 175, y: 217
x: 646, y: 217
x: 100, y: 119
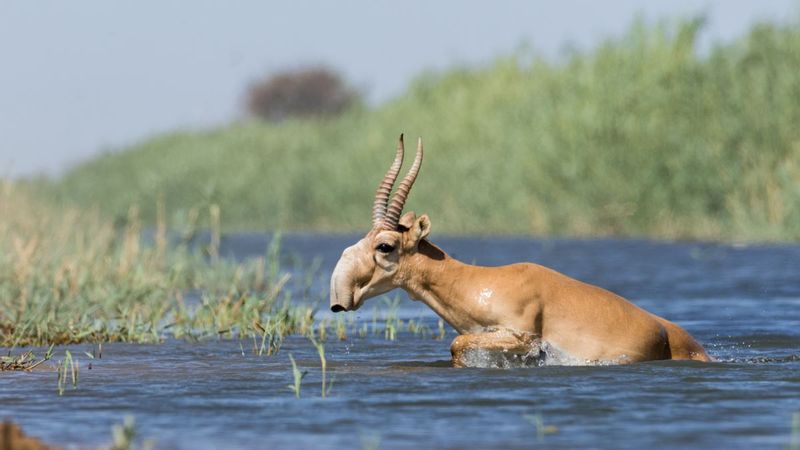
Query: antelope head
x: 377, y: 263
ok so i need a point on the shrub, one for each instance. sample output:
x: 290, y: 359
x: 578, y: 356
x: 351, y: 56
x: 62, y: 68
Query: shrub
x: 309, y: 92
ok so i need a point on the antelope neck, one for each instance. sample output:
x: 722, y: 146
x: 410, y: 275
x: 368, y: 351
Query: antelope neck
x: 438, y: 280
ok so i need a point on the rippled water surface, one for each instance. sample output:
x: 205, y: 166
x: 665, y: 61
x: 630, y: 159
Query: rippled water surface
x: 742, y: 303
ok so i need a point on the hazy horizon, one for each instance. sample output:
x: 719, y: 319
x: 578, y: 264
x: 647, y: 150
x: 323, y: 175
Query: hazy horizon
x: 80, y: 80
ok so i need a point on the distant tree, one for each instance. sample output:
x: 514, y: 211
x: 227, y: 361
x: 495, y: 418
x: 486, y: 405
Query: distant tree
x: 308, y: 92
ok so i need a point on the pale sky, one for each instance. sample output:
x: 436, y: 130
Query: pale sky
x: 81, y: 77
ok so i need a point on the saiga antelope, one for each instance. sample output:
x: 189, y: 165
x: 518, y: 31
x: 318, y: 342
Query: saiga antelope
x: 525, y: 310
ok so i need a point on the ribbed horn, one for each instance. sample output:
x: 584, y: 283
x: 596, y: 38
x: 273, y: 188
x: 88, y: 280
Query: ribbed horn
x: 399, y: 199
x: 385, y: 188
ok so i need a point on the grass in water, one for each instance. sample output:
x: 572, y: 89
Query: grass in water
x: 391, y: 322
x: 125, y: 436
x: 298, y: 376
x: 542, y: 429
x: 67, y: 369
x: 26, y: 361
x: 794, y: 441
x: 70, y: 276
x: 320, y: 346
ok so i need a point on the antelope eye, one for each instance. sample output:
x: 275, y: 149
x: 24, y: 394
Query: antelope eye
x: 384, y: 248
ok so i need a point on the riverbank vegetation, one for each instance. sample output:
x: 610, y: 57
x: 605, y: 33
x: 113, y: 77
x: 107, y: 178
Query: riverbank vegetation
x: 69, y: 276
x: 644, y: 135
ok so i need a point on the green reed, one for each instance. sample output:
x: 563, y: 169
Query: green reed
x: 125, y: 436
x: 391, y: 323
x: 67, y: 369
x: 297, y: 376
x: 384, y: 323
x: 69, y: 275
x: 320, y: 346
x: 642, y: 135
x: 542, y: 429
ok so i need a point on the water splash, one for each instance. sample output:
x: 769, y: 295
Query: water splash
x: 761, y: 359
x: 540, y: 353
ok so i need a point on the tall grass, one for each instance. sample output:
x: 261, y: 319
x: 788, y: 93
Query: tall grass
x: 68, y: 276
x: 642, y: 135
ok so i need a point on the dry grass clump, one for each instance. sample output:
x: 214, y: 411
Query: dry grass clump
x: 26, y: 361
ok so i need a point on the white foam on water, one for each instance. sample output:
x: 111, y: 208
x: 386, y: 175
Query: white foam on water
x: 541, y: 353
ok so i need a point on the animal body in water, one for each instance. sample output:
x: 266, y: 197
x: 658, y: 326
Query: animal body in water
x: 525, y: 310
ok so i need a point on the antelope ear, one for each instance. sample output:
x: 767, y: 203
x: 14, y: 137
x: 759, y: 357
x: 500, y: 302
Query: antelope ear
x: 407, y: 221
x: 419, y: 230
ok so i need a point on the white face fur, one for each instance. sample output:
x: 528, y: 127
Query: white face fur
x: 369, y: 267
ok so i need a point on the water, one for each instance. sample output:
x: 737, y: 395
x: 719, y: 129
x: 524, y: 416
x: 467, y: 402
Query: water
x: 742, y: 303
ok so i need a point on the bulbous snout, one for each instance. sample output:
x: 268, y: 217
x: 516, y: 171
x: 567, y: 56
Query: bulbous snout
x: 342, y: 284
x: 341, y: 299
